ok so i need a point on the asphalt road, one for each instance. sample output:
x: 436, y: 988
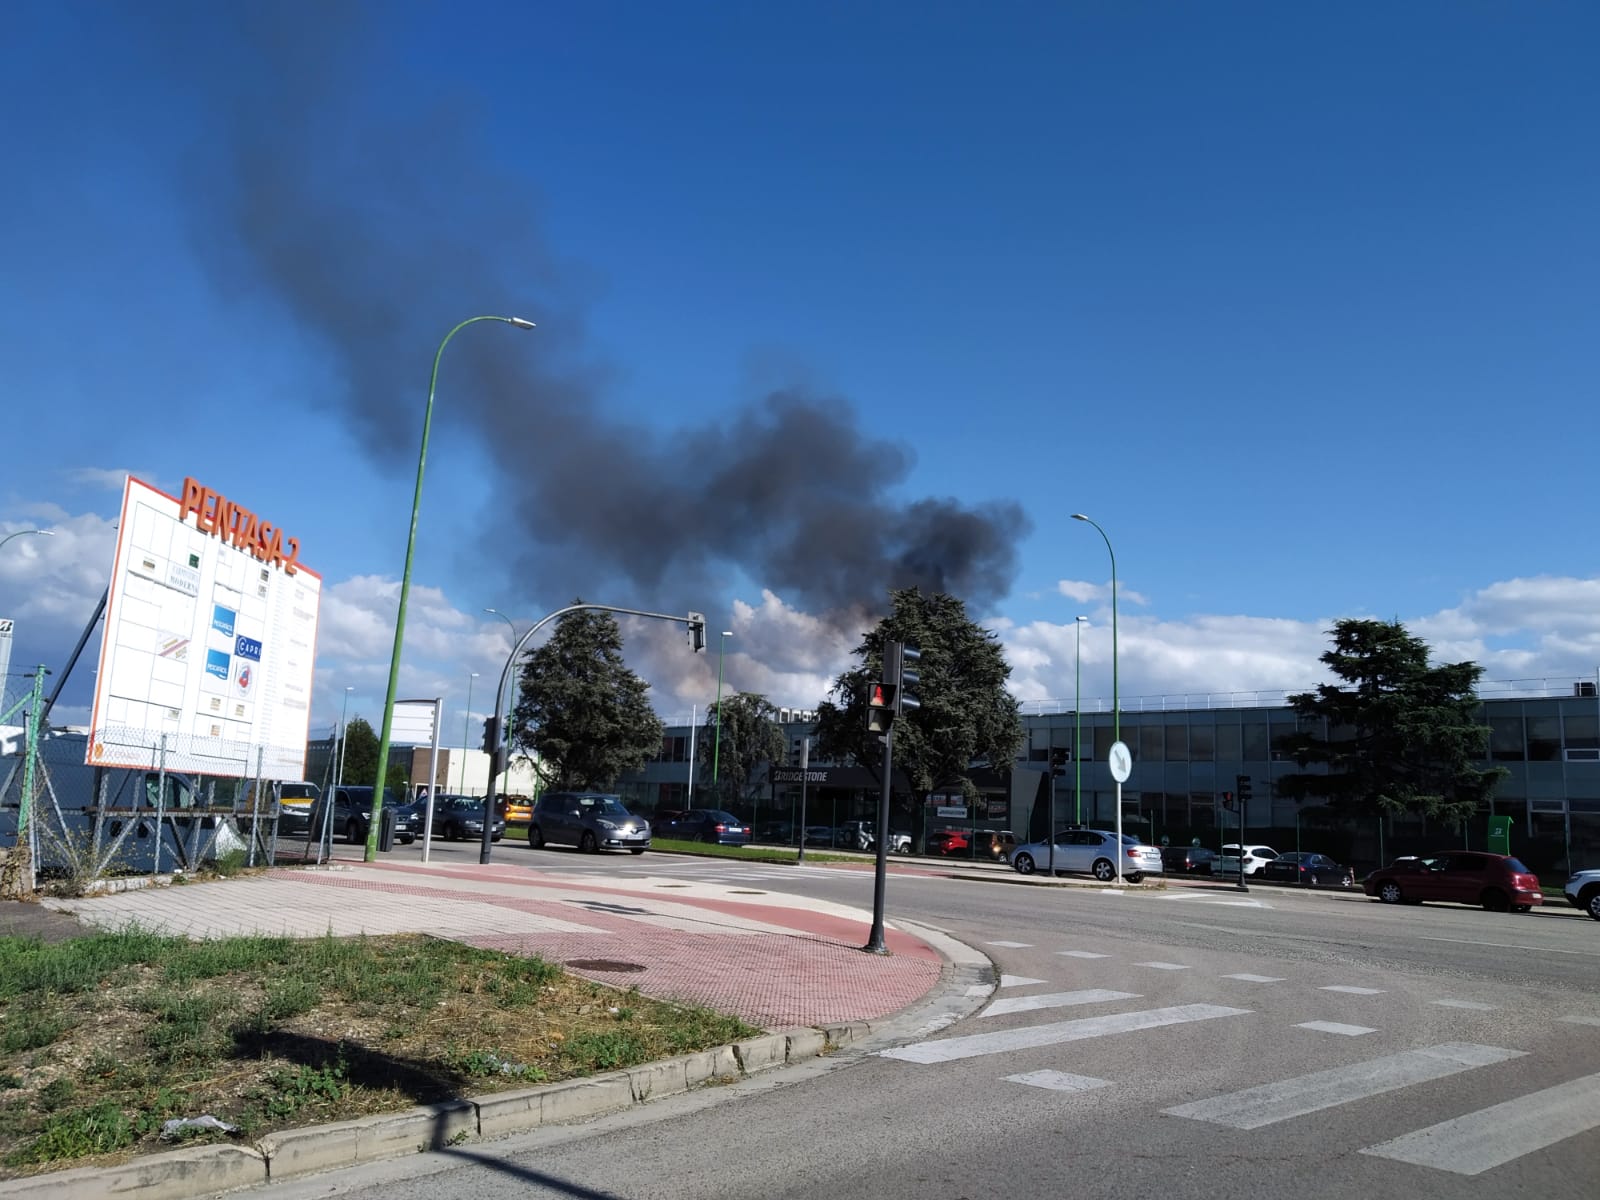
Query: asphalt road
x: 1186, y: 1042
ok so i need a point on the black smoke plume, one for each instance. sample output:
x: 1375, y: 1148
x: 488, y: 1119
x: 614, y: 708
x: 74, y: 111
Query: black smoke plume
x: 377, y: 226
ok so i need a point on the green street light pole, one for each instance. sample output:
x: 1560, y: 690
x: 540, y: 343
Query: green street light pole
x: 405, y: 584
x: 1077, y: 726
x: 21, y: 532
x: 716, y: 745
x: 1116, y: 705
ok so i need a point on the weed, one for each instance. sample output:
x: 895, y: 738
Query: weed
x: 606, y: 1051
x: 96, y: 1130
x: 289, y: 998
x: 308, y: 1086
x: 57, y: 1094
x: 33, y: 1025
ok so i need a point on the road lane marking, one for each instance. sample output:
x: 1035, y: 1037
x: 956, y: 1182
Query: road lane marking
x: 1256, y: 978
x: 1017, y: 981
x: 1472, y: 1004
x: 1164, y: 966
x: 1576, y: 1020
x: 1080, y: 954
x: 1011, y: 945
x: 1492, y: 1137
x: 1033, y: 1036
x: 1335, y: 1027
x: 1273, y: 1102
x: 1059, y: 1081
x: 1055, y: 1000
x: 1351, y: 991
x: 1510, y: 946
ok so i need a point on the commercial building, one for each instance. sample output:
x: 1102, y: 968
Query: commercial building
x: 1188, y: 752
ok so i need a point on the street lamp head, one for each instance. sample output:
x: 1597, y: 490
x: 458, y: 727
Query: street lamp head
x: 520, y: 322
x: 727, y: 633
x: 1082, y: 620
x: 1079, y: 517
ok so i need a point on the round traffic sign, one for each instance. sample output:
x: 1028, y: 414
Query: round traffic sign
x: 1121, y: 760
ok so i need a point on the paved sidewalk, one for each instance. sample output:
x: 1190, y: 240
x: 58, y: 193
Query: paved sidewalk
x: 771, y: 959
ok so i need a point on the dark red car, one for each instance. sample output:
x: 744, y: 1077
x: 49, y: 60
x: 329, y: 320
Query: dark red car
x: 950, y: 841
x: 1497, y: 881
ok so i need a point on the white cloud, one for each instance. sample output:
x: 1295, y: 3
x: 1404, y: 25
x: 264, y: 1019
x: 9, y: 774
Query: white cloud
x: 1085, y: 593
x: 107, y: 478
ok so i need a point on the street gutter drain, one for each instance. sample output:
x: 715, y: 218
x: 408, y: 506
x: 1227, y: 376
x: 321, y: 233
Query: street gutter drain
x: 603, y: 964
x: 744, y: 892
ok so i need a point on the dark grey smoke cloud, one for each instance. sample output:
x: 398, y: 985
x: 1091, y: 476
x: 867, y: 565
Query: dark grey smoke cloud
x: 377, y: 227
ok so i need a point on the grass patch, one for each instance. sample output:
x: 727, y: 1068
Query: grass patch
x: 750, y: 853
x: 104, y: 1037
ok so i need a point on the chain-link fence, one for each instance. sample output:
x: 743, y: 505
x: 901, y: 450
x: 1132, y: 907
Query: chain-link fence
x: 136, y: 803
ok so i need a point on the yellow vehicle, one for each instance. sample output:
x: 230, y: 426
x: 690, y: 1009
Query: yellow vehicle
x: 518, y: 809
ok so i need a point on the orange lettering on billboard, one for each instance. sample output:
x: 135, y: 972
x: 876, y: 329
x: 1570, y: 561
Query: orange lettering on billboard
x: 237, y: 526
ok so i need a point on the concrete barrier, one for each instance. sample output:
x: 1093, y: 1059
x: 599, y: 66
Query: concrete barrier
x: 175, y: 1175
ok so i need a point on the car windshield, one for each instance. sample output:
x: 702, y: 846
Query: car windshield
x: 1515, y: 864
x: 1129, y: 839
x: 297, y: 791
x: 602, y: 806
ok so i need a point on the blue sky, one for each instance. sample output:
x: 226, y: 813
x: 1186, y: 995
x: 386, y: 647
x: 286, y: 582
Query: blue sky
x: 1297, y: 302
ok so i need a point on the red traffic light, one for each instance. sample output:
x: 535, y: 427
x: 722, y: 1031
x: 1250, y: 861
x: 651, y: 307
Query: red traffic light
x: 877, y: 698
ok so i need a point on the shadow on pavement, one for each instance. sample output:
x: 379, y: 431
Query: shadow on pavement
x: 551, y: 1182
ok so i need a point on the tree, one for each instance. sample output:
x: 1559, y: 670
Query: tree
x: 1402, y: 736
x: 967, y: 715
x: 360, y: 752
x: 580, y: 709
x: 750, y: 737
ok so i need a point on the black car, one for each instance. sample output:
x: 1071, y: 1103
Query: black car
x: 1307, y: 870
x: 352, y: 814
x: 1190, y: 860
x: 457, y: 817
x: 705, y: 825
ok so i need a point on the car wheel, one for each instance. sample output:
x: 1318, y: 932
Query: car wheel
x: 1591, y: 903
x: 1389, y: 892
x: 450, y: 832
x: 1522, y: 908
x: 496, y: 837
x: 352, y: 831
x: 1494, y: 900
x: 636, y: 849
x: 535, y: 837
x: 1023, y: 863
x: 588, y: 845
x: 1136, y: 877
x: 1104, y: 871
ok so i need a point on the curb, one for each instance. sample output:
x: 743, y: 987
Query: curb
x: 292, y: 1153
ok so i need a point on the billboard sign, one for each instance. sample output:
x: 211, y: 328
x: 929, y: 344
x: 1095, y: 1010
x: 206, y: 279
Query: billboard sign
x: 210, y: 640
x: 5, y: 653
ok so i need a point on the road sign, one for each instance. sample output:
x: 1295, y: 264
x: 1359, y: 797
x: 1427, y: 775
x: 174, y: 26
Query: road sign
x: 1120, y: 759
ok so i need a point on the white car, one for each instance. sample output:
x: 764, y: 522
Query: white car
x: 1255, y: 857
x: 1090, y: 850
x: 1583, y: 891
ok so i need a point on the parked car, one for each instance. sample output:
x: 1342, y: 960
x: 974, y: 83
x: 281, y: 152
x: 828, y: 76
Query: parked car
x: 779, y: 832
x: 663, y: 820
x: 950, y: 842
x: 1497, y: 881
x: 295, y: 802
x: 457, y: 817
x: 819, y: 835
x: 1307, y: 870
x: 1093, y: 851
x: 707, y: 825
x: 1255, y: 857
x: 591, y: 821
x: 1583, y: 891
x: 1188, y: 860
x: 352, y: 814
x: 857, y: 835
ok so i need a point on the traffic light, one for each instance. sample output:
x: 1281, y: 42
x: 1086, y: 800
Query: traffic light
x: 1058, y: 763
x: 880, y: 706
x: 907, y: 678
x: 491, y: 734
x: 1241, y: 784
x: 697, y: 631
x: 1227, y: 801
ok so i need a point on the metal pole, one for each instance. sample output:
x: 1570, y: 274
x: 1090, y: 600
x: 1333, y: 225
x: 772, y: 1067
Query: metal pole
x: 880, y: 875
x: 1116, y: 699
x: 1077, y: 727
x: 161, y: 801
x: 371, y: 852
x: 433, y: 775
x: 72, y: 659
x: 1119, y: 833
x: 466, y: 737
x: 255, y: 807
x: 805, y: 766
x: 716, y: 745
x: 694, y: 749
x: 30, y: 753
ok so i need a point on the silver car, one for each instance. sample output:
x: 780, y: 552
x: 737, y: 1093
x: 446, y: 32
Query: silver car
x: 1090, y: 851
x: 591, y: 821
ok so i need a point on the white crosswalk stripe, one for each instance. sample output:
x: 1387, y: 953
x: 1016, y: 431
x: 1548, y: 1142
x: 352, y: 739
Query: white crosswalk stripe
x: 1472, y: 1005
x: 1017, y: 981
x: 1081, y: 954
x: 1059, y: 1081
x: 1256, y: 978
x: 1273, y: 1102
x: 1335, y: 1027
x: 1492, y: 1137
x: 1055, y: 1000
x: 1029, y: 1037
x: 1351, y: 991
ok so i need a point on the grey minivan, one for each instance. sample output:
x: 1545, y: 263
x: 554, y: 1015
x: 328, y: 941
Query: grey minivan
x: 591, y: 821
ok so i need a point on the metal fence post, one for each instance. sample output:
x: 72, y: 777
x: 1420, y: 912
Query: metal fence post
x: 255, y: 808
x: 161, y: 801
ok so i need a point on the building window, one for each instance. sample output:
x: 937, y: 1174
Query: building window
x: 1229, y: 745
x: 1505, y: 739
x: 1255, y: 742
x: 1103, y: 737
x: 1582, y: 732
x: 1544, y: 738
x: 1202, y: 743
x: 1177, y: 743
x: 1152, y: 744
